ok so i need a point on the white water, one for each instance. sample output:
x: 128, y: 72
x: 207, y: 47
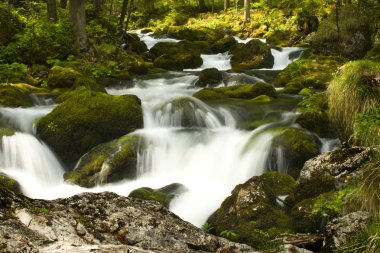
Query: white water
x: 282, y: 58
x: 150, y: 41
x: 220, y: 61
x: 209, y: 158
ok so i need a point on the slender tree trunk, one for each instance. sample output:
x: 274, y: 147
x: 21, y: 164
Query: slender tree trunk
x: 122, y: 14
x: 63, y: 4
x: 226, y: 4
x: 202, y: 5
x: 52, y: 11
x: 247, y: 10
x: 78, y: 20
x: 98, y: 6
x: 212, y: 5
x: 337, y: 9
x: 131, y: 6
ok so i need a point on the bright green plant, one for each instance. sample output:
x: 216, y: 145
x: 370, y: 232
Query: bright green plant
x: 228, y: 234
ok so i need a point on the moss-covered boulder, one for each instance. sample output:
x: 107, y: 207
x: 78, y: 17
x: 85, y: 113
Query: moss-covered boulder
x: 107, y: 163
x: 167, y: 62
x: 87, y: 119
x: 132, y: 62
x: 163, y: 195
x: 316, y: 122
x: 243, y: 91
x: 253, y: 55
x: 14, y: 96
x: 211, y: 76
x: 89, y: 83
x: 192, y: 34
x: 60, y: 77
x: 312, y: 72
x: 223, y: 45
x: 296, y: 147
x: 252, y: 213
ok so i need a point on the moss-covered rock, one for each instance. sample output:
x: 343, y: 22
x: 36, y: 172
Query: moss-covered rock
x: 9, y: 183
x: 163, y: 195
x: 107, y: 163
x: 296, y: 146
x: 252, y: 213
x: 167, y: 62
x: 243, y: 91
x: 211, y: 76
x: 253, y: 55
x: 89, y: 83
x: 313, y: 72
x: 262, y: 99
x: 316, y: 122
x: 131, y: 62
x: 223, y: 45
x: 12, y: 96
x: 60, y: 77
x: 4, y: 131
x: 86, y: 119
x: 192, y: 34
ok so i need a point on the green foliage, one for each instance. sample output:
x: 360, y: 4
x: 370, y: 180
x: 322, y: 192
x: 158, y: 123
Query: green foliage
x: 229, y: 234
x: 207, y: 227
x: 367, y: 127
x: 330, y: 204
x: 315, y: 102
x: 14, y: 72
x: 354, y: 90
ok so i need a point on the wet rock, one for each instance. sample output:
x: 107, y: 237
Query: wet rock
x: 9, y: 183
x: 107, y: 163
x: 223, y: 45
x: 13, y: 96
x: 288, y: 248
x: 316, y: 122
x: 211, y: 76
x: 253, y: 55
x: 4, y: 131
x: 60, y: 77
x: 87, y: 119
x: 252, y: 211
x: 294, y: 147
x: 339, y: 229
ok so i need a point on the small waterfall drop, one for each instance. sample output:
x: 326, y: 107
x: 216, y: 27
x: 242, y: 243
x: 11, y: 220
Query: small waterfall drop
x: 285, y: 56
x: 220, y: 61
x: 151, y: 41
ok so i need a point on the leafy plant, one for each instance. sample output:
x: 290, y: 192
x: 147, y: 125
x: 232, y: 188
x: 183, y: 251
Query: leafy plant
x: 207, y: 227
x: 229, y: 234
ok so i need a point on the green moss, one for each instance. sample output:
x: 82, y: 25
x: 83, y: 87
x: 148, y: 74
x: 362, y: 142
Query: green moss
x: 278, y: 183
x: 89, y: 83
x: 60, y: 77
x: 262, y: 99
x: 314, y: 72
x: 211, y: 76
x: 253, y: 55
x: 12, y: 96
x: 367, y: 127
x: 223, y: 45
x: 9, y: 183
x: 6, y: 132
x: 298, y: 146
x: 86, y: 119
x: 150, y: 194
x: 243, y: 91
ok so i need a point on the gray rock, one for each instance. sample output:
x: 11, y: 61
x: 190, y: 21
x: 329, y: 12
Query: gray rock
x: 288, y: 248
x: 339, y: 229
x: 103, y: 222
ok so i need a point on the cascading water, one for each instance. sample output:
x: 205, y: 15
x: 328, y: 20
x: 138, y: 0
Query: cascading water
x: 187, y: 142
x: 151, y: 41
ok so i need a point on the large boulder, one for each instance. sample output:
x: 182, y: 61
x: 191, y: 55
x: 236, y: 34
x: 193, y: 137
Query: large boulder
x: 87, y: 119
x: 295, y: 146
x: 253, y: 55
x: 223, y: 45
x: 252, y: 211
x: 328, y: 171
x: 107, y: 163
x: 102, y: 222
x: 242, y: 91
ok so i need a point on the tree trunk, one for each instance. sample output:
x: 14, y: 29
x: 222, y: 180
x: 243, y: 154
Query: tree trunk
x: 131, y: 5
x: 52, y: 11
x: 202, y: 5
x: 78, y: 20
x: 247, y: 10
x: 226, y: 4
x: 338, y: 4
x: 212, y: 5
x: 122, y: 14
x: 63, y: 4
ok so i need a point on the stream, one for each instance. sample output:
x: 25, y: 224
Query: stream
x: 201, y: 146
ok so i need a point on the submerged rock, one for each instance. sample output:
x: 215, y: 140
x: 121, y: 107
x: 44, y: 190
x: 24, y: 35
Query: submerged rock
x: 107, y: 163
x: 253, y: 55
x: 100, y: 222
x: 87, y: 119
x: 252, y: 212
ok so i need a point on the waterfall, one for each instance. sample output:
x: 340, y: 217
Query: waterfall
x: 285, y: 56
x: 221, y: 61
x: 151, y: 41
